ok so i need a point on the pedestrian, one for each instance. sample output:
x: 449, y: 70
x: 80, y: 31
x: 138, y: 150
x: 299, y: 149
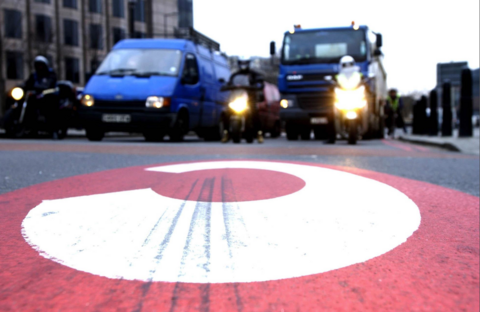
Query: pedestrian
x: 394, y: 108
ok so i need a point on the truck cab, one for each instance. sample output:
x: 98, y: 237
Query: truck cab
x: 308, y: 67
x: 158, y: 87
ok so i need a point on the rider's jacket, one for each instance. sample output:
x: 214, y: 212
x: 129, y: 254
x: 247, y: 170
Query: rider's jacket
x: 40, y: 82
x: 395, y: 103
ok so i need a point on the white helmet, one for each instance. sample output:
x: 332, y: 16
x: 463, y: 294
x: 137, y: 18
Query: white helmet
x: 346, y: 62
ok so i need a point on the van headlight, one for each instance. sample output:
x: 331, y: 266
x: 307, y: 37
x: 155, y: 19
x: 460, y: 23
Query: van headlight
x: 157, y: 102
x: 87, y: 100
x: 239, y: 104
x: 17, y: 93
x: 350, y: 99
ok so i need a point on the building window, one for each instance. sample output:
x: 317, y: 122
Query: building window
x: 43, y: 25
x: 14, y: 65
x: 96, y: 37
x: 118, y: 8
x: 70, y: 4
x: 118, y: 34
x: 140, y: 35
x: 70, y: 32
x: 13, y: 23
x: 43, y: 1
x: 95, y: 6
x: 185, y: 13
x: 140, y: 11
x: 72, y: 69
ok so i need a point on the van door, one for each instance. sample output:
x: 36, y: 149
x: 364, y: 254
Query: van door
x: 208, y: 109
x: 189, y: 91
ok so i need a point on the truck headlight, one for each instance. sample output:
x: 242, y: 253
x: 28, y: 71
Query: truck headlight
x: 87, y: 100
x: 239, y: 104
x: 157, y: 102
x: 350, y: 99
x: 17, y: 93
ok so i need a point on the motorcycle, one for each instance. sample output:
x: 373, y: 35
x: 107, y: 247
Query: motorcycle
x: 28, y: 111
x: 350, y: 106
x: 241, y: 123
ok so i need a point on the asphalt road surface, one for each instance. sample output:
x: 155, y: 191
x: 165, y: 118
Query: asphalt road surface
x: 125, y: 225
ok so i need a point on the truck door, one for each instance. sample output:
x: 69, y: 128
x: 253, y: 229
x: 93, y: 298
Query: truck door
x: 190, y: 89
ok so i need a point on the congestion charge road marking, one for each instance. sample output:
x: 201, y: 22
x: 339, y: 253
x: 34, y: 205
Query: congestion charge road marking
x: 337, y: 219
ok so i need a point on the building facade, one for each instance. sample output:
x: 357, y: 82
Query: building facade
x: 75, y: 35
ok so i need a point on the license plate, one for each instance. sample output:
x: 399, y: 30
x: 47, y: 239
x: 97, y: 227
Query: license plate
x: 116, y: 118
x: 319, y: 121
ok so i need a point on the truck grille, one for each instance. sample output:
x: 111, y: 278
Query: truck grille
x: 313, y: 101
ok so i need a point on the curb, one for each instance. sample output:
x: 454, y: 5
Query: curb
x: 446, y: 146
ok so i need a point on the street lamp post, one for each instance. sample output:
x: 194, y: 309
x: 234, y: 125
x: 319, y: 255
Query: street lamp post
x: 165, y: 32
x: 131, y: 20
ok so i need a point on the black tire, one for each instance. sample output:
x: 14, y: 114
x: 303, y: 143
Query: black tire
x: 352, y: 132
x: 215, y: 133
x: 249, y: 136
x: 277, y: 130
x: 331, y: 131
x: 292, y: 132
x: 12, y: 128
x: 151, y: 136
x: 305, y: 133
x: 236, y: 131
x: 320, y: 133
x: 180, y: 128
x: 95, y: 135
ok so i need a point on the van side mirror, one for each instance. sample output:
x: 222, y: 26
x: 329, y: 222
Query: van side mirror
x: 272, y: 48
x: 379, y: 40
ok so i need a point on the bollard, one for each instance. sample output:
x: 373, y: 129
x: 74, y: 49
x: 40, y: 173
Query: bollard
x: 447, y: 110
x: 466, y: 104
x: 416, y: 118
x: 422, y: 111
x: 433, y: 119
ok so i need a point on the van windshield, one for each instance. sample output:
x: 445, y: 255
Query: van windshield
x: 141, y: 62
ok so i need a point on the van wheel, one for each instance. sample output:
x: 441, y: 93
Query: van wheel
x: 95, y: 134
x: 180, y: 128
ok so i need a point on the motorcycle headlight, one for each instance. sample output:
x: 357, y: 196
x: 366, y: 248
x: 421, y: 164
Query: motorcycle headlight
x: 350, y: 99
x: 87, y: 100
x: 17, y: 93
x: 157, y: 102
x: 286, y: 103
x: 239, y: 104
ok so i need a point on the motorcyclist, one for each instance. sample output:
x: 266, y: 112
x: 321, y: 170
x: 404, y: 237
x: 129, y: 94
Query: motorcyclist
x: 41, y: 79
x: 255, y: 79
x: 349, y: 75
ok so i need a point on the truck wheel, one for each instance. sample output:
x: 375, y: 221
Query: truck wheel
x: 320, y: 133
x: 305, y: 133
x: 292, y: 132
x: 180, y: 128
x: 331, y: 131
x: 95, y: 134
x: 352, y: 132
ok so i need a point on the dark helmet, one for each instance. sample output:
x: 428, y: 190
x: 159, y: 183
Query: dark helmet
x: 244, y: 64
x: 41, y: 63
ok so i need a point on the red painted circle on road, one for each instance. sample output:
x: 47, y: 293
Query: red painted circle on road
x: 228, y: 185
x: 437, y: 268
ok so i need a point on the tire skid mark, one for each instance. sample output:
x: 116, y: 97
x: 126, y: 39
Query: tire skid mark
x: 226, y: 204
x: 146, y: 286
x: 203, y: 208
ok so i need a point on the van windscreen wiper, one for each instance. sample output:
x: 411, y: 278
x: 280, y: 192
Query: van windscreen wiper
x: 117, y: 71
x: 151, y: 73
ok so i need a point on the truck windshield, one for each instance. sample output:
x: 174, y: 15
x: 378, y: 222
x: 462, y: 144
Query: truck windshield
x: 146, y: 62
x: 323, y: 46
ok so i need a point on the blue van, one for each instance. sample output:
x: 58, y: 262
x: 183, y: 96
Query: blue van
x: 157, y: 87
